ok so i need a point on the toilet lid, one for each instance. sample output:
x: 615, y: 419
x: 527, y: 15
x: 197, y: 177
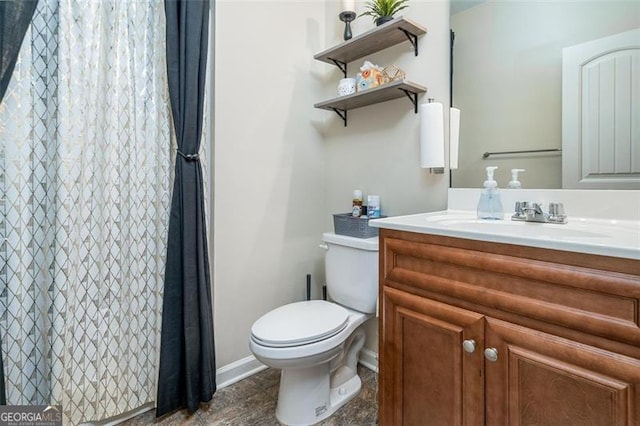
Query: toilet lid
x: 300, y: 323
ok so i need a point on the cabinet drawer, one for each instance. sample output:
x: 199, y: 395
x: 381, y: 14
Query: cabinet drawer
x: 556, y: 287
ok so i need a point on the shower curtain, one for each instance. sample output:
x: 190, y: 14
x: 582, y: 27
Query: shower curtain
x: 15, y: 19
x: 85, y: 177
x: 187, y: 374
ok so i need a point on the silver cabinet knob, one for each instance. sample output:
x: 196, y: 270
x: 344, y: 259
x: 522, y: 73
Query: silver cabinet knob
x: 469, y: 345
x: 491, y: 354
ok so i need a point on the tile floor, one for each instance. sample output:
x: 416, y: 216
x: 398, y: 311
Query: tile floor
x: 252, y: 402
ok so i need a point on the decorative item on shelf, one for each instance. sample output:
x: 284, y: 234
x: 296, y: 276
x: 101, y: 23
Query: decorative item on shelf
x: 370, y: 76
x: 347, y: 15
x: 347, y: 86
x: 393, y: 73
x: 383, y: 10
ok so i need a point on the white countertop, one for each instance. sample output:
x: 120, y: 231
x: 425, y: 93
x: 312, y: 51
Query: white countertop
x: 608, y: 237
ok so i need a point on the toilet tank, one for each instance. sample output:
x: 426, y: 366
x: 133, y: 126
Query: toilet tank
x: 351, y: 270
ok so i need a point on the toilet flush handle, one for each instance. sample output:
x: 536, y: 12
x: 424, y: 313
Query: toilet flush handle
x: 324, y: 246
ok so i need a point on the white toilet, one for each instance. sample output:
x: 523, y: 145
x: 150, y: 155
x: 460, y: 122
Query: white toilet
x: 316, y: 343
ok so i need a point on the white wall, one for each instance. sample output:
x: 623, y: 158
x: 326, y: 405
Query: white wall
x: 508, y: 80
x: 269, y: 163
x: 282, y: 167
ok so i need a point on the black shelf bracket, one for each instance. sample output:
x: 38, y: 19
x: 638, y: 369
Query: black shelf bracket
x: 341, y: 65
x: 414, y: 99
x: 342, y: 113
x: 412, y: 38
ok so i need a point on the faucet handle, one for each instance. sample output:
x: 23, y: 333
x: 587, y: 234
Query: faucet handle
x: 521, y: 206
x: 518, y: 208
x: 556, y: 213
x: 556, y: 209
x: 525, y: 210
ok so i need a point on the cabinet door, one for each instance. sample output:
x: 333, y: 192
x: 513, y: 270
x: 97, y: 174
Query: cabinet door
x: 426, y: 377
x: 540, y: 379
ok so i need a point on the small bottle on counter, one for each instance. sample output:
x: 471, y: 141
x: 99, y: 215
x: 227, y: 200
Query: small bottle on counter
x: 373, y: 203
x: 356, y: 210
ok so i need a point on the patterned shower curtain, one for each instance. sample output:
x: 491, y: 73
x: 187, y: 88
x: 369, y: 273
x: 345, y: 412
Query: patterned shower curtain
x: 85, y: 176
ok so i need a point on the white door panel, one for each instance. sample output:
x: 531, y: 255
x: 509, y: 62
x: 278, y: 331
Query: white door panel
x: 601, y: 113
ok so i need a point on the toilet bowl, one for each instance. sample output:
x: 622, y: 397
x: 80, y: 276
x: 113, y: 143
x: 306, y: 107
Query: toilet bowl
x: 316, y: 343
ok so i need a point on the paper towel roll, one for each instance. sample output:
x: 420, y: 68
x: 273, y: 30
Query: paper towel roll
x: 454, y: 137
x: 431, y: 135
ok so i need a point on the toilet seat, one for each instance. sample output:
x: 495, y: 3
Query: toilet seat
x: 300, y: 323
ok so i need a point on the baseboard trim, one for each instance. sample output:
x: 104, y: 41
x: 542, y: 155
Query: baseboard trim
x: 369, y: 359
x: 238, y: 370
x: 116, y: 420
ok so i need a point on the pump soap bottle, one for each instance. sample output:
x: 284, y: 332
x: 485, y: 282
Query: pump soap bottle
x: 514, y: 183
x: 490, y: 203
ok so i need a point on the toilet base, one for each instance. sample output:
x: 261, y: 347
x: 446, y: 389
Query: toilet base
x: 306, y: 398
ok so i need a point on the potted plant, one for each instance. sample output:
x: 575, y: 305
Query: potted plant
x: 383, y: 10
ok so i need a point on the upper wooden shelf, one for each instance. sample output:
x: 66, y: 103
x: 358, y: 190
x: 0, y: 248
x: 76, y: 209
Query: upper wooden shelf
x: 389, y: 34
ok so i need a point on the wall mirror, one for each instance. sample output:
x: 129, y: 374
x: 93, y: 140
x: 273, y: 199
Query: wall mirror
x: 507, y: 81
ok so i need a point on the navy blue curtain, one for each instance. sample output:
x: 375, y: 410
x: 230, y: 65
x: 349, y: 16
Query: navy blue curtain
x: 187, y: 374
x: 15, y: 17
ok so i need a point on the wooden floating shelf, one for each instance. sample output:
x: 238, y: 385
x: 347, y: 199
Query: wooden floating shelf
x: 389, y: 34
x: 386, y: 92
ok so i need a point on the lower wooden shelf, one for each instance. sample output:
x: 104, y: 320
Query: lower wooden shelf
x: 386, y: 92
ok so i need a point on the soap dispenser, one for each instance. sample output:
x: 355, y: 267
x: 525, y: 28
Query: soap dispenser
x: 490, y: 203
x: 514, y: 183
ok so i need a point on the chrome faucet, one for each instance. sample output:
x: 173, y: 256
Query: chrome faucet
x: 532, y: 212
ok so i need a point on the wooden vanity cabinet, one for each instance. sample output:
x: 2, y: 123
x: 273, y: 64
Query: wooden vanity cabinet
x: 478, y: 333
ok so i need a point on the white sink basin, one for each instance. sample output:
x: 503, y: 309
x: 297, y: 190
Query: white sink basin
x: 597, y: 236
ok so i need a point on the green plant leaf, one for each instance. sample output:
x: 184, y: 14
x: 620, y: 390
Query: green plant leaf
x: 379, y: 8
